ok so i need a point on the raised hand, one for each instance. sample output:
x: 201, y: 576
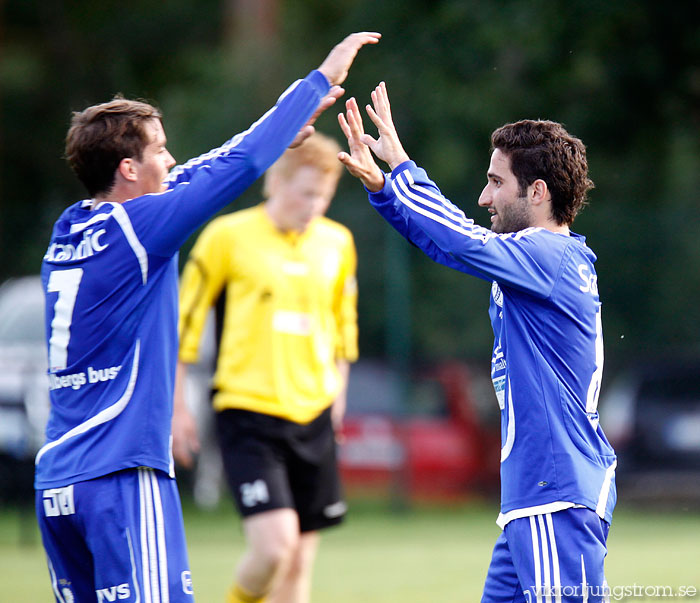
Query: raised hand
x: 359, y: 162
x: 388, y: 146
x: 338, y: 62
x: 335, y: 68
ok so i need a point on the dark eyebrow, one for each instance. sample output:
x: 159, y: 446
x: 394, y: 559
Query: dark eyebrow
x: 493, y: 175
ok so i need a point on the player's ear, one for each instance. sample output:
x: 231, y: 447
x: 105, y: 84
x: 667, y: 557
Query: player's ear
x: 539, y: 192
x: 127, y: 169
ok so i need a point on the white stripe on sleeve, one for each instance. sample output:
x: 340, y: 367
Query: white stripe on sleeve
x: 203, y: 160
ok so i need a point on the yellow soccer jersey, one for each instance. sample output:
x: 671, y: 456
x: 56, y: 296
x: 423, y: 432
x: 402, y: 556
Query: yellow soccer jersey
x: 290, y: 312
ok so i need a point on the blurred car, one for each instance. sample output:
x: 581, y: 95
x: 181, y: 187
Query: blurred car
x: 422, y: 438
x: 432, y: 436
x: 651, y: 414
x: 24, y: 398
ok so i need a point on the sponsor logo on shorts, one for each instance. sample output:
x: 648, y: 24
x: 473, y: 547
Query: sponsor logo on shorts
x: 337, y: 509
x: 186, y: 577
x: 113, y: 593
x: 67, y: 595
x: 59, y: 501
x: 254, y: 493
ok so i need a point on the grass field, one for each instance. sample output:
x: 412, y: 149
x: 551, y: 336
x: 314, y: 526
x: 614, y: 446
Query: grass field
x: 425, y: 555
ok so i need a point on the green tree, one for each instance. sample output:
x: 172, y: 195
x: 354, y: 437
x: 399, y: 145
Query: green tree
x: 624, y: 76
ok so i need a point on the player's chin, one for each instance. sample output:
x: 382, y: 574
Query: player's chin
x: 506, y: 228
x: 305, y: 222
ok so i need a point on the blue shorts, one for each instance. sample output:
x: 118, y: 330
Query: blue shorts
x: 551, y: 558
x: 116, y: 538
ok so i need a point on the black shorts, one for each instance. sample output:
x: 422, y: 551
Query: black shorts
x: 272, y: 463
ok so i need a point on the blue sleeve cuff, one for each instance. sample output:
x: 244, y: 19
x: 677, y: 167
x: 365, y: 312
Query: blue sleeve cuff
x: 386, y: 193
x: 401, y: 167
x: 383, y: 194
x: 319, y: 82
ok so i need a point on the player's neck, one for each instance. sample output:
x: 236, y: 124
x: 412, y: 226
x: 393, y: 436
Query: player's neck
x: 117, y: 194
x: 542, y: 218
x: 279, y: 219
x: 558, y: 228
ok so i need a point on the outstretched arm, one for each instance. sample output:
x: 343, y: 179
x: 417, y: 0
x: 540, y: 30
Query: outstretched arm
x: 216, y: 178
x: 335, y: 67
x: 415, y: 207
x: 387, y: 147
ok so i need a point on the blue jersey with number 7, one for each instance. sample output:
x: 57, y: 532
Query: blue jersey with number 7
x: 547, y: 359
x: 110, y: 277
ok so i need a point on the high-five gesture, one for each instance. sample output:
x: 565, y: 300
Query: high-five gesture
x: 335, y: 67
x: 387, y: 147
x: 338, y: 62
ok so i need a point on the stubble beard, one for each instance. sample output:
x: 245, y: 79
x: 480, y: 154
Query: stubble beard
x: 514, y: 217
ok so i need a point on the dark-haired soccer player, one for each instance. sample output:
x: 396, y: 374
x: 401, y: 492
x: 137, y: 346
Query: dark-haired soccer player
x: 106, y: 499
x: 557, y: 468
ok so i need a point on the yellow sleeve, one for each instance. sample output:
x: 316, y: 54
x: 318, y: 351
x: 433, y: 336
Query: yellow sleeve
x: 346, y: 308
x: 202, y: 280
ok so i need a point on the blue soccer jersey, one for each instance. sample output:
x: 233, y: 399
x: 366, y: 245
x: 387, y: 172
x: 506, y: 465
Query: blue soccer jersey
x: 110, y: 275
x: 547, y: 357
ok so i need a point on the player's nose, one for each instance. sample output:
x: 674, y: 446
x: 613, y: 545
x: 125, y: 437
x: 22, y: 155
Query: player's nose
x: 485, y: 198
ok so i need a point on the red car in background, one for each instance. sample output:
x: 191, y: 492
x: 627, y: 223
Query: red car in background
x: 432, y: 436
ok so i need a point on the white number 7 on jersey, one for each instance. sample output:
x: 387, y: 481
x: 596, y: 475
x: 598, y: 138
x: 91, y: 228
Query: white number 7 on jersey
x: 66, y: 282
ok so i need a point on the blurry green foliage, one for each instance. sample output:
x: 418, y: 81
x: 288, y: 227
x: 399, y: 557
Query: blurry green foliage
x: 624, y: 76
